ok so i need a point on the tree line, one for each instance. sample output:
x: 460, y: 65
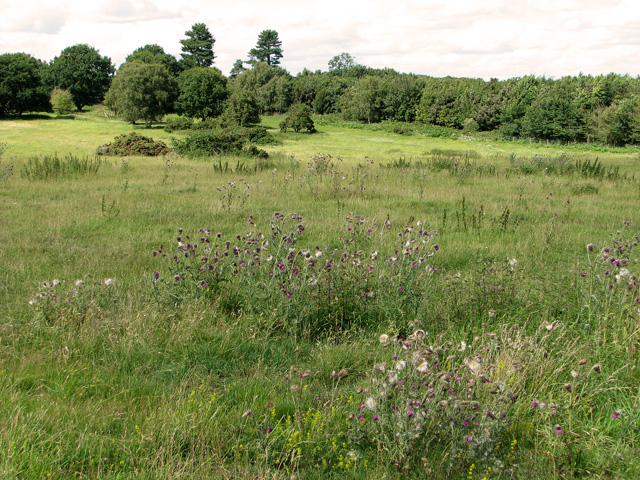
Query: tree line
x: 151, y: 83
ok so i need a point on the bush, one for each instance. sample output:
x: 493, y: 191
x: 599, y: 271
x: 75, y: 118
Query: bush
x: 178, y: 123
x: 233, y: 140
x: 298, y: 118
x: 62, y: 101
x: 134, y: 144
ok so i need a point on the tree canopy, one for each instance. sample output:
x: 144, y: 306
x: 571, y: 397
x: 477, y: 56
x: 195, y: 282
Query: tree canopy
x: 203, y: 92
x: 142, y: 91
x: 155, y: 54
x: 197, y: 48
x: 21, y: 87
x: 268, y: 49
x: 84, y: 72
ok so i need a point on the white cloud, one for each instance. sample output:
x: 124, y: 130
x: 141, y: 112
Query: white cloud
x: 493, y: 38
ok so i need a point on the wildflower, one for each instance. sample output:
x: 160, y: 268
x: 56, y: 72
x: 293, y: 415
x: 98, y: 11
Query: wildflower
x: 596, y: 368
x: 269, y: 430
x: 400, y: 365
x: 410, y: 413
x: 615, y: 414
x: 462, y: 347
x: 468, y: 439
x: 371, y: 403
x: 384, y: 339
x: 56, y: 282
x: 203, y: 284
x: 79, y: 283
x: 590, y: 247
x: 558, y: 430
x: 361, y: 418
x: 575, y: 374
x: 423, y: 367
x: 156, y: 275
x: 33, y: 301
x: 513, y: 262
x: 375, y: 418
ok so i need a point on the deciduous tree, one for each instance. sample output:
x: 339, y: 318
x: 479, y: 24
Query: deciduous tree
x: 84, y: 72
x: 155, y: 54
x: 203, y: 92
x: 142, y: 91
x: 21, y: 86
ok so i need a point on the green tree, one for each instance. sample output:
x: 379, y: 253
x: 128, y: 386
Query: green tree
x: 237, y: 69
x: 81, y: 70
x: 197, y: 48
x: 298, y: 118
x: 203, y: 92
x: 342, y: 63
x: 242, y: 108
x: 62, y: 101
x: 21, y: 86
x: 142, y: 91
x: 363, y: 100
x: 268, y: 49
x: 155, y: 54
x: 554, y: 115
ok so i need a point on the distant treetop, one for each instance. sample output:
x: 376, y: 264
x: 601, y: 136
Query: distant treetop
x: 268, y: 49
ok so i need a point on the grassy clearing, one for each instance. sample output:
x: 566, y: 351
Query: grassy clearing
x: 528, y: 367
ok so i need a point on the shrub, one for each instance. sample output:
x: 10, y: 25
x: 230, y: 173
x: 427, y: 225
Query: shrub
x: 178, y: 123
x: 134, y: 144
x: 222, y: 141
x: 298, y: 118
x: 62, y: 101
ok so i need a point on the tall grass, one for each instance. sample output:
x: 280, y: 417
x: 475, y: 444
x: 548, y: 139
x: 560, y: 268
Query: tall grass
x: 432, y: 319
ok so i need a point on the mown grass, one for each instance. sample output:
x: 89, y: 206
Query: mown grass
x: 126, y: 381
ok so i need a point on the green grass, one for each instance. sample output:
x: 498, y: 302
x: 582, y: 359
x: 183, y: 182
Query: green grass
x: 238, y: 380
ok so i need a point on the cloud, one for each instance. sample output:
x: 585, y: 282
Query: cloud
x: 126, y: 11
x: 492, y: 38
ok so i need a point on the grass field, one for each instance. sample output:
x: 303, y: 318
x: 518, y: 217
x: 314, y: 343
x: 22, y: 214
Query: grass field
x: 363, y: 305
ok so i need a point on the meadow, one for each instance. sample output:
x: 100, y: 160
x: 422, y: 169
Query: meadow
x: 362, y: 304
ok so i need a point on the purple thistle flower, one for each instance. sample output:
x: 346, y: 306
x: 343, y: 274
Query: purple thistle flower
x: 558, y: 430
x: 410, y: 413
x: 375, y: 418
x: 156, y: 275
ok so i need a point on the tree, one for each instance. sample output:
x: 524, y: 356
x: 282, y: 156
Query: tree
x: 198, y: 47
x: 62, y: 101
x: 203, y: 92
x: 155, y: 54
x: 242, y: 108
x: 81, y: 70
x: 341, y: 63
x: 298, y: 118
x: 21, y: 86
x: 363, y: 101
x: 142, y: 91
x: 268, y: 49
x: 237, y: 69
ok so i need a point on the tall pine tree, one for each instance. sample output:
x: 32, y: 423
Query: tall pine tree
x: 198, y: 47
x: 268, y: 49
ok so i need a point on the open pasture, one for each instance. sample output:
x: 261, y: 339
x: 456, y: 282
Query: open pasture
x: 362, y: 304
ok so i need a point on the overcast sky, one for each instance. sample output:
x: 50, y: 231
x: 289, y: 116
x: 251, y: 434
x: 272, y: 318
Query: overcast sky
x: 463, y: 38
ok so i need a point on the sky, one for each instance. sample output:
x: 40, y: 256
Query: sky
x: 461, y: 38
